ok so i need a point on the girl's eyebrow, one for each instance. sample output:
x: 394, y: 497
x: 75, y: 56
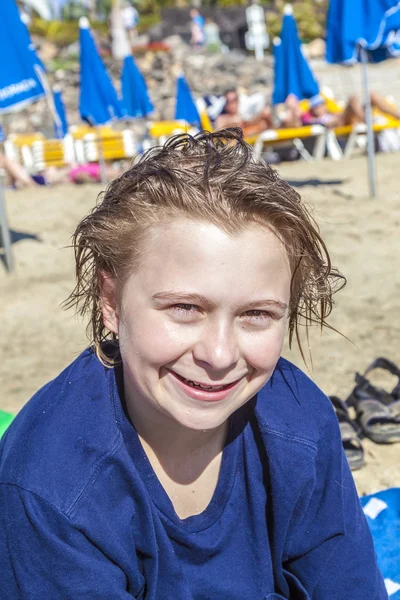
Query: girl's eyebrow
x: 189, y: 298
x: 184, y: 297
x: 267, y: 303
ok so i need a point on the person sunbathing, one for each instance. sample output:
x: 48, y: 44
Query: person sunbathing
x: 18, y: 177
x: 353, y: 113
x: 289, y: 116
x: 231, y: 117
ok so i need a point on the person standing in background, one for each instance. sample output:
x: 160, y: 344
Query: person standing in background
x: 211, y: 36
x: 197, y: 29
x: 130, y: 19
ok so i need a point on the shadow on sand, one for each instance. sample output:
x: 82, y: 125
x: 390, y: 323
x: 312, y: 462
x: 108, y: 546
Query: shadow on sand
x: 315, y: 182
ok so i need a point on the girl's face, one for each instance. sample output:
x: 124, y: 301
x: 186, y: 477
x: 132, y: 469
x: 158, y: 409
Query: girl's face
x: 201, y: 323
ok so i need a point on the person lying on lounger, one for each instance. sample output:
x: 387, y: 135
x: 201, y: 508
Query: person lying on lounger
x: 265, y: 119
x: 17, y: 175
x: 352, y: 114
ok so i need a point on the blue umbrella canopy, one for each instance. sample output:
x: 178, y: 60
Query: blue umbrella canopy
x: 61, y: 125
x: 19, y: 80
x: 185, y: 107
x: 369, y: 24
x: 98, y: 99
x: 134, y: 90
x: 292, y: 73
x: 36, y: 59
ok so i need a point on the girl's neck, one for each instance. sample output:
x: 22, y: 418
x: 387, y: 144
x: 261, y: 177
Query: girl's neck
x: 182, y: 453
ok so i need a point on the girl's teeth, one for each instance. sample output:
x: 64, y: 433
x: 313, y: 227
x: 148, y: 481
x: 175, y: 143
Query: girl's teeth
x: 203, y: 387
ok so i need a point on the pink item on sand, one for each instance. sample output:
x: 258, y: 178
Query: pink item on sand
x: 91, y: 169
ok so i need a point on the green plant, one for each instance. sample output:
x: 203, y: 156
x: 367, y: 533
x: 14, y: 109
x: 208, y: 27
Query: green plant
x: 62, y: 33
x: 148, y: 20
x: 309, y: 14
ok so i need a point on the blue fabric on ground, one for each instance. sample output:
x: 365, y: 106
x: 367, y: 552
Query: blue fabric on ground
x: 383, y: 515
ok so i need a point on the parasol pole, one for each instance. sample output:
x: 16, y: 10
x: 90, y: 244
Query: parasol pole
x: 102, y: 160
x: 5, y: 236
x: 368, y: 119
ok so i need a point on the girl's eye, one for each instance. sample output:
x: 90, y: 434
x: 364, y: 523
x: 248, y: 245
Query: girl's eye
x: 257, y: 315
x: 185, y: 309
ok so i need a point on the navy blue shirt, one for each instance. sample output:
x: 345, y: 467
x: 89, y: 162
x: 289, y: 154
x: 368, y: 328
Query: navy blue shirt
x: 83, y: 515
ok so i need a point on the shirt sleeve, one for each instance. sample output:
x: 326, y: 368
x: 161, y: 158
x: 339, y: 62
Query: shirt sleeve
x: 42, y: 555
x: 332, y: 552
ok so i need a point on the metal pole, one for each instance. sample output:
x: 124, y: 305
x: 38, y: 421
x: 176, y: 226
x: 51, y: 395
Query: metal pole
x: 5, y: 237
x: 368, y: 119
x: 102, y: 162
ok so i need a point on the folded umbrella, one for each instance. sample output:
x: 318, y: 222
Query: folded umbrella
x: 61, y: 125
x: 292, y: 73
x: 185, y: 108
x: 98, y: 99
x: 134, y: 90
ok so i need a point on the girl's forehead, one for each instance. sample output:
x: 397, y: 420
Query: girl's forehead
x: 201, y: 236
x: 186, y: 251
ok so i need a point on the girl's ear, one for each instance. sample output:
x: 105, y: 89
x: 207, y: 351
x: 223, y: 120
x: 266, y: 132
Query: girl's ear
x: 109, y: 302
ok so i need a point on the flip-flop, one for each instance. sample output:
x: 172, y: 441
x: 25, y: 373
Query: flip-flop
x: 374, y: 413
x: 349, y: 431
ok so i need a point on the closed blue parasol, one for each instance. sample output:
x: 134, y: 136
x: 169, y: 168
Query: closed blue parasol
x: 292, y: 73
x: 19, y: 80
x: 134, y: 90
x: 363, y: 30
x: 185, y: 108
x: 98, y: 100
x: 61, y: 125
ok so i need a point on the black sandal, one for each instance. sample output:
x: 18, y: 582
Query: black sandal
x: 393, y: 400
x: 376, y: 410
x: 349, y: 430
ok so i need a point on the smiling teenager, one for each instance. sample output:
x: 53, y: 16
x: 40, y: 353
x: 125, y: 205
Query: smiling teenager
x: 180, y: 457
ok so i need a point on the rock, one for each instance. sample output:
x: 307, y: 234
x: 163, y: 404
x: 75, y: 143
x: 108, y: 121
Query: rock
x: 156, y: 33
x: 175, y: 42
x: 47, y: 51
x: 59, y: 74
x: 70, y: 51
x: 315, y: 49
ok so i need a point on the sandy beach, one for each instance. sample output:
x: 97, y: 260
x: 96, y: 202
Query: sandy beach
x: 40, y: 338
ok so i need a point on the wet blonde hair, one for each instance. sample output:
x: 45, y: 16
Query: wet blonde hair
x: 212, y: 177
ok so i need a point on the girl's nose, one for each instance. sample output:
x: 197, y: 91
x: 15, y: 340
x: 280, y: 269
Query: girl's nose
x: 218, y: 346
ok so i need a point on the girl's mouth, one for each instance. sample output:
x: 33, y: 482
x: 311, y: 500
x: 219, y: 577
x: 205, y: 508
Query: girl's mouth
x: 204, y: 391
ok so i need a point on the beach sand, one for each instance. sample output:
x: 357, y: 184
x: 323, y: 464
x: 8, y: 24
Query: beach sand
x: 40, y: 338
